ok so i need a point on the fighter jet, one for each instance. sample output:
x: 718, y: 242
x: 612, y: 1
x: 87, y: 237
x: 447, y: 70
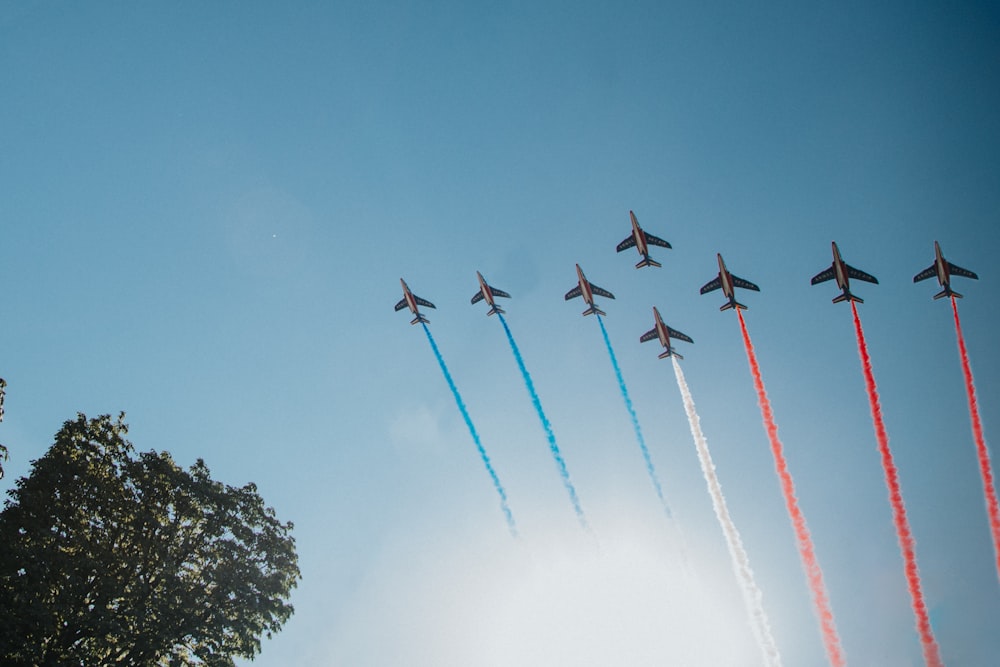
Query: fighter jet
x: 641, y: 240
x: 843, y: 272
x: 411, y: 301
x: 944, y: 270
x: 664, y: 333
x: 487, y: 292
x: 587, y: 290
x: 728, y: 282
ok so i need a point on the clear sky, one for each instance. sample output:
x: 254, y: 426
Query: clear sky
x: 205, y: 210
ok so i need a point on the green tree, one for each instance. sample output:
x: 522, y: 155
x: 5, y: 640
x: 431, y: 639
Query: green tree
x: 112, y: 557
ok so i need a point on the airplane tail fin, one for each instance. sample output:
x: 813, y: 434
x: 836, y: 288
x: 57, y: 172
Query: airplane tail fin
x: 594, y: 310
x: 494, y: 310
x: 648, y: 261
x: 667, y: 353
x: 847, y: 296
x: 947, y: 291
x: 420, y: 318
x: 731, y: 304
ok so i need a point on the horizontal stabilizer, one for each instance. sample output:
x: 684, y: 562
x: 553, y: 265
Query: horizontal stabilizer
x: 648, y: 261
x: 947, y: 291
x: 420, y: 318
x: 667, y: 353
x: 594, y: 310
x: 848, y: 296
x: 494, y: 310
x: 731, y: 304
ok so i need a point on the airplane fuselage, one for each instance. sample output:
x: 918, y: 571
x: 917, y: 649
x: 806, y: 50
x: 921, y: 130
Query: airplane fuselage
x: 485, y: 289
x: 411, y: 303
x: 585, y: 290
x: 640, y: 237
x: 943, y: 273
x: 840, y: 270
x: 661, y: 330
x: 727, y: 280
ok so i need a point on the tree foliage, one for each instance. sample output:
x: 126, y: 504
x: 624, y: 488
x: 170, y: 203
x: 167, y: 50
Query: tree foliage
x: 110, y: 556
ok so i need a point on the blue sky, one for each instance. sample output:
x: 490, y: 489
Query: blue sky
x: 206, y: 211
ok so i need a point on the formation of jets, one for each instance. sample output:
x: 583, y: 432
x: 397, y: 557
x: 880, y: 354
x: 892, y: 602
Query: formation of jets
x: 839, y: 270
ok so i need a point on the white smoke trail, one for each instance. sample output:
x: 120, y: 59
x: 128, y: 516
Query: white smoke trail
x: 752, y: 597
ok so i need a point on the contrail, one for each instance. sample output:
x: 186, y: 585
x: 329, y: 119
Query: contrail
x: 635, y: 420
x: 475, y: 436
x: 553, y: 446
x: 807, y: 553
x: 752, y: 597
x: 932, y: 654
x: 985, y: 469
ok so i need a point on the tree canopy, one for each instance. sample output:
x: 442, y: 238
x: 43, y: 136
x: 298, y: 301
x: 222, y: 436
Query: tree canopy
x: 110, y: 556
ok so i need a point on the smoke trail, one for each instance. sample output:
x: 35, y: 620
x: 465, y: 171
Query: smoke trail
x: 553, y: 447
x: 807, y: 553
x: 752, y: 597
x: 635, y: 420
x: 472, y: 431
x: 985, y: 469
x: 932, y: 655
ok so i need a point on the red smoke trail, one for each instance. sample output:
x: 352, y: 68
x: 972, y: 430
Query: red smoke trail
x: 814, y: 575
x: 985, y: 469
x: 932, y: 655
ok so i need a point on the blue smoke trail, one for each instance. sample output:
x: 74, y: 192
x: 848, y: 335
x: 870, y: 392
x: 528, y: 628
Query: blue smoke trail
x: 553, y: 447
x: 472, y: 431
x: 635, y: 420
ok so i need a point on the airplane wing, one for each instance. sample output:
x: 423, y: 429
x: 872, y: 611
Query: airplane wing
x: 653, y: 240
x: 959, y: 271
x: 648, y: 336
x: 600, y: 291
x: 674, y: 333
x: 926, y: 273
x: 745, y: 284
x: 713, y: 284
x: 627, y: 243
x: 823, y: 276
x: 401, y: 305
x: 573, y: 293
x: 860, y: 275
x: 423, y: 302
x: 499, y: 292
x: 478, y: 297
